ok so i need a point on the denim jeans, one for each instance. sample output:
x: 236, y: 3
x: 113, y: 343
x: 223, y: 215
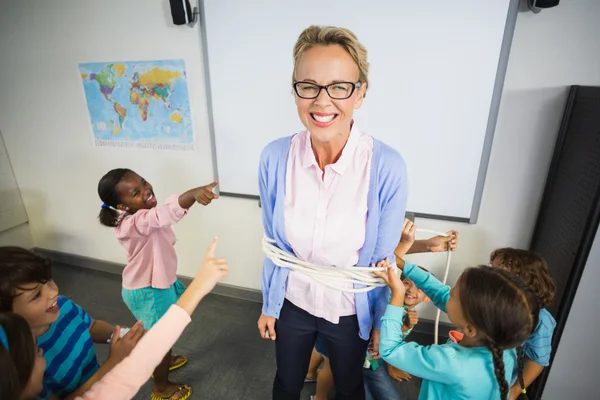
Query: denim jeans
x: 379, y: 385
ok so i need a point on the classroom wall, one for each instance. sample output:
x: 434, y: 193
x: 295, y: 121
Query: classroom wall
x: 13, y: 217
x: 19, y: 235
x: 578, y: 343
x: 46, y: 128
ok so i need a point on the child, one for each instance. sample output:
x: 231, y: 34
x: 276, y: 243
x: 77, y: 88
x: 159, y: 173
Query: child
x: 494, y: 311
x: 533, y: 270
x: 379, y: 377
x: 22, y: 364
x: 378, y: 384
x: 64, y: 331
x: 150, y: 284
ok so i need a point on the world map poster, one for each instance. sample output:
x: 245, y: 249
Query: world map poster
x: 140, y: 104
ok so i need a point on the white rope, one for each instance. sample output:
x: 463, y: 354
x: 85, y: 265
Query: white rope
x: 331, y: 276
x: 327, y: 275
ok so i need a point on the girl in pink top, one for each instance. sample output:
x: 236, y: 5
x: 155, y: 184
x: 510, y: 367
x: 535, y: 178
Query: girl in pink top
x: 22, y: 364
x: 150, y: 284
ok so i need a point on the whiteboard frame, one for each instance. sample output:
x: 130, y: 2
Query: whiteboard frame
x: 509, y: 29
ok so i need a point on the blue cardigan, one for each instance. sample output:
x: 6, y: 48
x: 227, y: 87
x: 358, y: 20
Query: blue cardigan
x: 386, y: 208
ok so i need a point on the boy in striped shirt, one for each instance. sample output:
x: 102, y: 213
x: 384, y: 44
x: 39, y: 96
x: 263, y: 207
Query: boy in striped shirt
x: 64, y: 331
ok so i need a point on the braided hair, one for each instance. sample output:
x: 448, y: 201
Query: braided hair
x: 497, y: 358
x: 503, y: 309
x: 520, y: 367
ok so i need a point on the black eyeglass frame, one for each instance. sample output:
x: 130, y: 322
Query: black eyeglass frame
x: 326, y: 87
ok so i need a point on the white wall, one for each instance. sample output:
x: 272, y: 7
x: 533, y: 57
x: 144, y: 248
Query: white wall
x: 14, y: 230
x: 579, y: 344
x: 12, y: 210
x: 18, y: 236
x: 45, y: 124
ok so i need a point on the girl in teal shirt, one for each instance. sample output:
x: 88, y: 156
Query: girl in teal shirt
x: 493, y: 310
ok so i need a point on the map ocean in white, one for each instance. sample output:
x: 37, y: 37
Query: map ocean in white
x: 168, y: 123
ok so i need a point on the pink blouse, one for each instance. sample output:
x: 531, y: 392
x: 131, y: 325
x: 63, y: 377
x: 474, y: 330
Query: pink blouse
x: 149, y: 241
x: 325, y: 219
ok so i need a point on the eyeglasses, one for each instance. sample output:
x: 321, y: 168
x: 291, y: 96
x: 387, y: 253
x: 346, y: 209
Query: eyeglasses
x: 337, y: 91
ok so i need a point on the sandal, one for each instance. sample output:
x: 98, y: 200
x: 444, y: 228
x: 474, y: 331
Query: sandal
x: 180, y: 390
x: 175, y: 364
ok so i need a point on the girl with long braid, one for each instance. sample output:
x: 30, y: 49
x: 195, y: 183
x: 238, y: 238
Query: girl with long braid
x: 494, y: 312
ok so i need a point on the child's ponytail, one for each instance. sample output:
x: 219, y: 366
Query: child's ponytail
x: 107, y: 190
x: 520, y: 367
x: 109, y: 216
x: 499, y: 370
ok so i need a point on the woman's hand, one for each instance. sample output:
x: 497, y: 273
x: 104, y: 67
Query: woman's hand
x: 266, y: 327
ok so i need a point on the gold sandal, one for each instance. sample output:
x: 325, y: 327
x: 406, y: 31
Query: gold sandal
x: 183, y: 360
x: 179, y: 390
x: 176, y: 365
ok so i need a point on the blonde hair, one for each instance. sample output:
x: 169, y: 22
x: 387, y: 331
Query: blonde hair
x: 331, y: 35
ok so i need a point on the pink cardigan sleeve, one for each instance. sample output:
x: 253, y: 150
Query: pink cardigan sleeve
x: 145, y: 221
x: 125, y: 379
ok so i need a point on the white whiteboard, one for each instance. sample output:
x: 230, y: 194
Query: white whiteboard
x: 436, y: 76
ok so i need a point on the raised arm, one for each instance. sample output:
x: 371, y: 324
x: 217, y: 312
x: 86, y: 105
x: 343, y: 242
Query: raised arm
x: 434, y: 363
x: 429, y: 284
x: 435, y: 244
x: 143, y: 222
x: 124, y: 380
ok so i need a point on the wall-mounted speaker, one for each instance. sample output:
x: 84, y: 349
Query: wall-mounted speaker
x: 538, y: 5
x: 183, y: 13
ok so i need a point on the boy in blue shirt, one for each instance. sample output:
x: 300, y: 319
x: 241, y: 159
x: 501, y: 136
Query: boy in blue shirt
x: 380, y: 377
x: 533, y: 270
x: 64, y: 331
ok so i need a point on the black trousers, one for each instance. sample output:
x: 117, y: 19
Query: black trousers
x: 296, y: 334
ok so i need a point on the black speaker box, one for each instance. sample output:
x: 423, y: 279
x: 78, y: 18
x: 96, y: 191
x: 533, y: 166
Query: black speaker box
x: 541, y: 4
x: 181, y: 11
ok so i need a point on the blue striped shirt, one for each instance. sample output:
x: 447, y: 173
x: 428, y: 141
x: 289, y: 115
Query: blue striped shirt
x: 538, y: 345
x: 68, y: 350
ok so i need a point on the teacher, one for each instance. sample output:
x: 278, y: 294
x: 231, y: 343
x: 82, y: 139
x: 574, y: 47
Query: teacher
x: 330, y: 195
